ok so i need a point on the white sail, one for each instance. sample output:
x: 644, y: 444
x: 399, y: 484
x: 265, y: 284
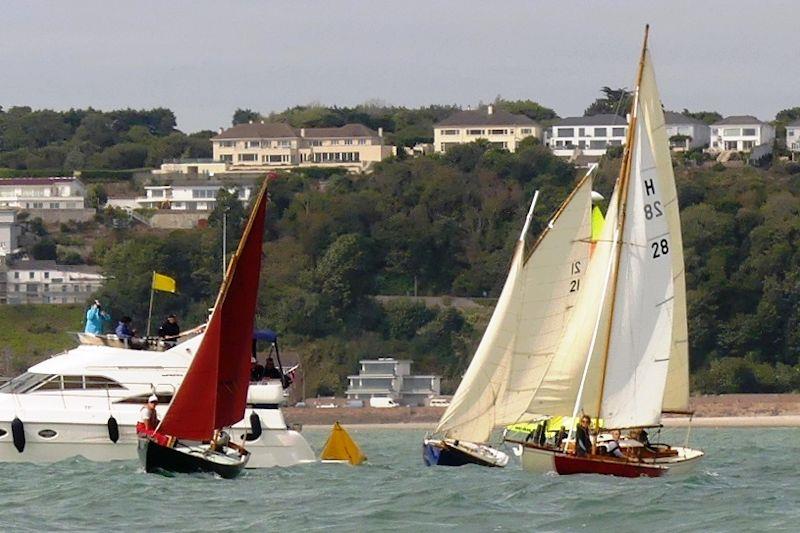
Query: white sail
x: 471, y: 413
x: 641, y: 336
x: 559, y: 388
x: 551, y: 280
x: 527, y: 324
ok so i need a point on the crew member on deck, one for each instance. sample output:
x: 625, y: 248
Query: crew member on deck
x: 270, y: 372
x: 125, y: 333
x: 148, y: 417
x: 95, y: 316
x: 583, y: 442
x: 169, y: 330
x: 612, y: 446
x: 256, y: 369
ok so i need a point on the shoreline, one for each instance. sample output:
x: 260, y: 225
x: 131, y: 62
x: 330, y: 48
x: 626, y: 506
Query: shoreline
x: 677, y: 422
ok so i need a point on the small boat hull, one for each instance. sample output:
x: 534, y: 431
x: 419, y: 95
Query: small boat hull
x: 447, y: 452
x: 188, y: 459
x: 541, y: 460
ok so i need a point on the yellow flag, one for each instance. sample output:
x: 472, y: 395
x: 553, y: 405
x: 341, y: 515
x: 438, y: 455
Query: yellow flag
x: 163, y: 283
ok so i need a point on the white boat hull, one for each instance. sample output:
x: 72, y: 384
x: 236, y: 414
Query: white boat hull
x: 540, y: 461
x: 274, y: 447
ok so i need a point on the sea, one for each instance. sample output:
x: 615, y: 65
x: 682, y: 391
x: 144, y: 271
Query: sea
x: 749, y: 481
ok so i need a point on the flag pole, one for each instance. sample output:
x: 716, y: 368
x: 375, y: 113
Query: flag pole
x: 150, y: 311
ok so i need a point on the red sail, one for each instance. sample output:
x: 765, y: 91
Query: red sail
x: 214, y: 392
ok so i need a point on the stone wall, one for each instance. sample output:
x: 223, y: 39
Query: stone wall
x: 177, y: 220
x: 53, y: 216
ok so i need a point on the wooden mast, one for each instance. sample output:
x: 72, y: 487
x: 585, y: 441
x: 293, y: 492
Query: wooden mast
x: 624, y: 180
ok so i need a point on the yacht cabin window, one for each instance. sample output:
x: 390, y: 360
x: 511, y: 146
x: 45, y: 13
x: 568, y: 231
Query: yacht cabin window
x: 30, y: 382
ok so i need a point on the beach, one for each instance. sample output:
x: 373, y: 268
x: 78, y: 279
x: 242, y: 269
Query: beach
x: 726, y: 410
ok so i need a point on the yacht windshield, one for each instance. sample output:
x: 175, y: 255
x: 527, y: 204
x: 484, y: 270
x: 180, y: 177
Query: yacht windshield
x: 24, y: 382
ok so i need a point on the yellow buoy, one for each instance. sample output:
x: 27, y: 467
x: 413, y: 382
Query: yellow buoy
x: 341, y: 448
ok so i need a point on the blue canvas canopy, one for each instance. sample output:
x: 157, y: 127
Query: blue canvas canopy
x: 265, y: 335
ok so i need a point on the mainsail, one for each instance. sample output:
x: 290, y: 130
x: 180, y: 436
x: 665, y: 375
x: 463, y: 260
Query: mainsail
x: 528, y: 322
x: 624, y: 356
x: 214, y: 392
x: 637, y: 356
x: 648, y: 336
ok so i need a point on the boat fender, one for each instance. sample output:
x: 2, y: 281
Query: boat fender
x: 113, y: 429
x: 255, y: 426
x: 18, y: 433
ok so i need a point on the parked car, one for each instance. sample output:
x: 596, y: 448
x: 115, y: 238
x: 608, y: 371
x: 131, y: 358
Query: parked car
x: 327, y: 405
x: 354, y: 403
x: 382, y: 402
x: 300, y: 404
x: 439, y: 402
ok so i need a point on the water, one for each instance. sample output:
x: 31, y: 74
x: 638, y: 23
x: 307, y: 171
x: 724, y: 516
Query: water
x: 747, y: 482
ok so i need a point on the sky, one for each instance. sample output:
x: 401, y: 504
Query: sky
x: 205, y: 58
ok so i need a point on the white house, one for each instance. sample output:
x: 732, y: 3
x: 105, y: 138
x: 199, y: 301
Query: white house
x: 45, y: 282
x: 501, y: 128
x: 793, y: 137
x: 190, y: 195
x: 9, y: 232
x: 588, y: 136
x: 42, y: 193
x: 685, y: 133
x: 387, y: 377
x: 207, y: 167
x: 740, y: 134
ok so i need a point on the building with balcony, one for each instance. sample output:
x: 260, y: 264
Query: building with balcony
x: 502, y: 129
x: 259, y: 146
x: 45, y: 282
x: 793, y: 138
x: 587, y: 136
x: 391, y: 378
x: 9, y: 233
x: 42, y: 193
x: 190, y: 195
x: 740, y: 134
x: 686, y: 133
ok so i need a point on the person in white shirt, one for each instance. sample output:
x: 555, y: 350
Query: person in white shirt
x: 148, y: 417
x: 612, y: 446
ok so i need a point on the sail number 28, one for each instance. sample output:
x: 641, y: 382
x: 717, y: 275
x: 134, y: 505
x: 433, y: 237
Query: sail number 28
x: 660, y: 248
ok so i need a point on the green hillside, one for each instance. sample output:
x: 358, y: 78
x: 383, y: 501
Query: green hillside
x: 29, y: 333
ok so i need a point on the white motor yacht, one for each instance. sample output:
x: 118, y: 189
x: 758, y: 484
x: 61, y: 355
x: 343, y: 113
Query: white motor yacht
x: 86, y: 402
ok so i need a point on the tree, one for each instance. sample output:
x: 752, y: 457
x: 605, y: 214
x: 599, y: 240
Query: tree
x: 44, y: 249
x: 615, y: 102
x: 709, y: 117
x: 528, y: 108
x: 96, y: 196
x: 343, y: 273
x: 244, y: 116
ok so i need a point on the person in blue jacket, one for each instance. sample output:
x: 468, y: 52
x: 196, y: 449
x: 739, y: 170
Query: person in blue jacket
x: 95, y: 317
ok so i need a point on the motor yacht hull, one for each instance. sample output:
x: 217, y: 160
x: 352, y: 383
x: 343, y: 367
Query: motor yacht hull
x: 541, y: 460
x: 447, y: 452
x: 47, y: 442
x: 183, y: 459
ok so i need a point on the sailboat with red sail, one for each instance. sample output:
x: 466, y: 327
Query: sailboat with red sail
x: 213, y: 395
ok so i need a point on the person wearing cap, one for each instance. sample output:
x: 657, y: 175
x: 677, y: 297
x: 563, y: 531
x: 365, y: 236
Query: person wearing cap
x: 169, y: 330
x: 148, y: 417
x: 95, y: 316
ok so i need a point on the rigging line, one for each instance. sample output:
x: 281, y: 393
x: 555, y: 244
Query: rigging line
x: 659, y: 304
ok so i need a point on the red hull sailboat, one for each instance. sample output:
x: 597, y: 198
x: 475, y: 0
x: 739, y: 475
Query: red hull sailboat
x: 213, y: 395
